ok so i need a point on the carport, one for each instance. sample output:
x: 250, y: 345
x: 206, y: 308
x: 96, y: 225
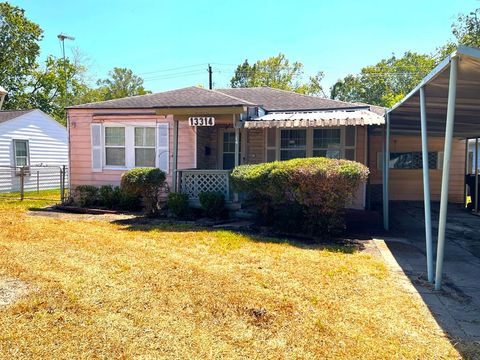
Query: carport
x: 446, y: 103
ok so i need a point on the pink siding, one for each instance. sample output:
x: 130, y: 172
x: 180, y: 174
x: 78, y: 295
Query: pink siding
x: 80, y: 144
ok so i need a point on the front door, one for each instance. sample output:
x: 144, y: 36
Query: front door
x: 227, y: 148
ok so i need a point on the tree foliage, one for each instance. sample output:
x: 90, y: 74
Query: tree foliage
x: 276, y: 72
x: 31, y: 84
x: 386, y: 82
x: 19, y: 49
x: 122, y: 82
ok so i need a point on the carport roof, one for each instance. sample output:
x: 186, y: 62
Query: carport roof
x: 405, y: 115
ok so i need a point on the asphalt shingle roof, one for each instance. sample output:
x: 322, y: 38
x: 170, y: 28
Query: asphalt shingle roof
x: 269, y: 98
x: 186, y: 97
x: 281, y: 100
x: 6, y: 115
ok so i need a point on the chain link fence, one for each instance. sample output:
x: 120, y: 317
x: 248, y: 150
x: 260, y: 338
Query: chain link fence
x: 34, y: 182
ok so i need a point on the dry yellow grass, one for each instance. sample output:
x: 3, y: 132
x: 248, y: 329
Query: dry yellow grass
x: 101, y: 290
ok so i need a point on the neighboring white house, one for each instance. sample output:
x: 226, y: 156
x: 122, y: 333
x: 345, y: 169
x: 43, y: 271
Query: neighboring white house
x: 35, y: 141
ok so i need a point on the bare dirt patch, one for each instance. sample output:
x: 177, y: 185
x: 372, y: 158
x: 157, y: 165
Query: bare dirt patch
x: 11, y: 290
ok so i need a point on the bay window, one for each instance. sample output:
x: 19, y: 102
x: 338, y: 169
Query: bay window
x: 114, y: 146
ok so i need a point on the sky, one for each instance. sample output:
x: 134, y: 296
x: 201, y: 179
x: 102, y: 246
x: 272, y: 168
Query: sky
x: 170, y: 43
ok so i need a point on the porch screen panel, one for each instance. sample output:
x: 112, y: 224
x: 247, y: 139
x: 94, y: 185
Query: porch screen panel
x: 293, y: 144
x: 145, y: 147
x: 327, y: 143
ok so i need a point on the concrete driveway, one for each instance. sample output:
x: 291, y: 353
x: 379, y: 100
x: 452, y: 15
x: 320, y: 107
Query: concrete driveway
x: 457, y: 307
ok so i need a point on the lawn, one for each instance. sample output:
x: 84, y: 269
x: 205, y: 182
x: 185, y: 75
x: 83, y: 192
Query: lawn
x: 103, y: 290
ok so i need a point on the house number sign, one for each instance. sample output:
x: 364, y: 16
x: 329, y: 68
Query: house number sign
x: 201, y: 121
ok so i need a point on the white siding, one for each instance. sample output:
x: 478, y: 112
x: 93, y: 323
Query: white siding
x: 48, y: 145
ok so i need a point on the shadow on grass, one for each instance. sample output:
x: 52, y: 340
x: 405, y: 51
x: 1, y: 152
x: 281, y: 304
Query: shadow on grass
x: 347, y: 245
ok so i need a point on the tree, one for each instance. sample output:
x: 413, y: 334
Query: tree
x: 122, y: 83
x: 276, y: 72
x: 19, y: 48
x: 386, y: 82
x: 466, y: 31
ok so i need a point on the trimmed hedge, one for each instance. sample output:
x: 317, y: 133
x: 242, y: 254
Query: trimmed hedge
x: 144, y: 182
x: 308, y: 194
x: 106, y: 196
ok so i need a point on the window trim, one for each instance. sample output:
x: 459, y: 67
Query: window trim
x: 154, y: 147
x: 309, y: 141
x: 15, y: 152
x: 105, y: 146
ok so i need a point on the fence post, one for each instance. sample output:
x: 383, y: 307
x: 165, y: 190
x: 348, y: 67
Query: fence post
x: 62, y: 184
x: 22, y: 183
x: 38, y: 181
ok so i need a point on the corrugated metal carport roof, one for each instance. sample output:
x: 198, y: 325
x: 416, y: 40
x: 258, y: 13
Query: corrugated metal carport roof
x: 405, y: 115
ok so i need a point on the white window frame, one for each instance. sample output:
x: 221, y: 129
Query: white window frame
x: 309, y: 141
x: 105, y: 146
x: 154, y: 147
x: 15, y: 151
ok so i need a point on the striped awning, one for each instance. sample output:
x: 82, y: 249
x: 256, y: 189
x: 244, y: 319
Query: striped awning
x: 316, y: 119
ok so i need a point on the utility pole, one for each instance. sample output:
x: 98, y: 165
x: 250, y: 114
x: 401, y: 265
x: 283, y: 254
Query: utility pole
x: 210, y: 81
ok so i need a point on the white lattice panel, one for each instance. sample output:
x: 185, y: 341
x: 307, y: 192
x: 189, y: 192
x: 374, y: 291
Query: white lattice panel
x: 194, y: 182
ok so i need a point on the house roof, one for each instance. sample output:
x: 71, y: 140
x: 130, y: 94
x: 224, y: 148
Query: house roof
x: 281, y: 100
x: 6, y: 115
x: 268, y: 98
x: 186, y: 97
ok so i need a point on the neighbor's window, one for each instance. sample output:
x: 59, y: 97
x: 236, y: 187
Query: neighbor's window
x: 327, y: 143
x: 409, y: 160
x: 20, y: 148
x: 115, y: 146
x: 145, y: 147
x: 293, y: 144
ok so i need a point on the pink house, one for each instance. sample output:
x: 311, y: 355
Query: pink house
x: 197, y: 135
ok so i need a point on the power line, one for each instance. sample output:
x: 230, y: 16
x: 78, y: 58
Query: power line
x: 172, y: 69
x: 177, y: 74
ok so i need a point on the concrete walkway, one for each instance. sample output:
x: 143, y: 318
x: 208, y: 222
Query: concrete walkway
x: 457, y: 307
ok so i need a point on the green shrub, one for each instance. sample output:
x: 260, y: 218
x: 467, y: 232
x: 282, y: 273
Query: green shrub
x: 144, y: 182
x: 320, y: 189
x: 213, y: 203
x: 86, y: 195
x: 177, y: 203
x: 107, y: 196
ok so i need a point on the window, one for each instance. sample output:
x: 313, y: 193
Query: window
x: 145, y: 147
x: 20, y: 148
x: 293, y: 144
x: 115, y: 146
x: 409, y: 160
x: 228, y: 150
x: 327, y: 143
